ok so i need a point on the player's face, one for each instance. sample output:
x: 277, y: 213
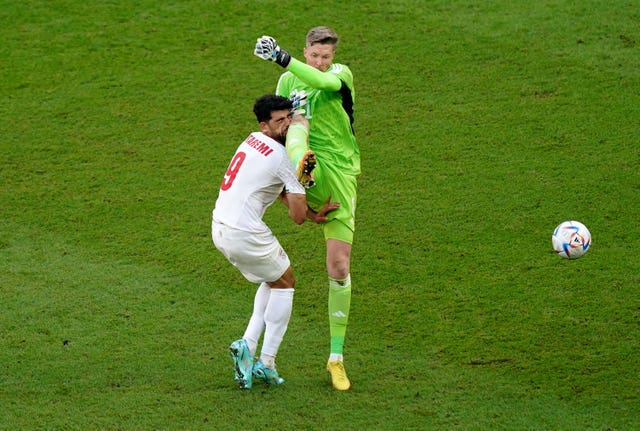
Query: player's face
x: 320, y: 56
x: 278, y: 125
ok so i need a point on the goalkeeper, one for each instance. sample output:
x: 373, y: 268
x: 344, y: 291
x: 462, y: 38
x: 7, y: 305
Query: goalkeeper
x: 332, y: 144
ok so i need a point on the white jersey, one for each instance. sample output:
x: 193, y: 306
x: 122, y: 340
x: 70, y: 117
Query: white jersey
x: 256, y: 175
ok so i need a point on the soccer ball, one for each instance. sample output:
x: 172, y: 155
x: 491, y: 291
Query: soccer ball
x: 571, y: 239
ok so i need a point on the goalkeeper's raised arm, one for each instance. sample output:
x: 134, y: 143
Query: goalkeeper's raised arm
x: 267, y: 48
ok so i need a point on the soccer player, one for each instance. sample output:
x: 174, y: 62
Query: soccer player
x: 330, y: 98
x: 259, y: 173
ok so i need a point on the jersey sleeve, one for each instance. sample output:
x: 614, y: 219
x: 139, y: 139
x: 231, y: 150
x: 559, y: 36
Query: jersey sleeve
x: 287, y: 174
x: 315, y: 78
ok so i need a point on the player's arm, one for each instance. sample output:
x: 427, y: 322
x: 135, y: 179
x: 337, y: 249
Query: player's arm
x: 297, y: 204
x: 267, y: 48
x: 313, y: 77
x: 299, y: 211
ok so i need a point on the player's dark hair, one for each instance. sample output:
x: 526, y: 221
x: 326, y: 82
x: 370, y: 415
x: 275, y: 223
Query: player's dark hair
x: 268, y: 103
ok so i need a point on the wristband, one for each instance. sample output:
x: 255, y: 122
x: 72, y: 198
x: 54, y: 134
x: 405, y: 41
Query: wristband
x: 283, y: 58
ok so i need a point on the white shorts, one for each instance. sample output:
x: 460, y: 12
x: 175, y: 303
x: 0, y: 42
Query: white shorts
x: 258, y: 256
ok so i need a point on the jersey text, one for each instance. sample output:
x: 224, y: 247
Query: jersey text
x: 260, y: 146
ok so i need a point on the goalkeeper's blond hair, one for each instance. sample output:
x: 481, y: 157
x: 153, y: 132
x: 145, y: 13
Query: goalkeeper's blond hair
x: 323, y: 35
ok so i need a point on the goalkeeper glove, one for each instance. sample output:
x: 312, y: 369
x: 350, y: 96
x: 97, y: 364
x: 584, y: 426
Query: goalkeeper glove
x: 267, y: 49
x: 299, y: 101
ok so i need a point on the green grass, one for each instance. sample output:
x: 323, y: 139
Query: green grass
x: 482, y: 125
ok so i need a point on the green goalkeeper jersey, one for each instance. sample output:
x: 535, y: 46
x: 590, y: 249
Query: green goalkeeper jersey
x: 329, y: 111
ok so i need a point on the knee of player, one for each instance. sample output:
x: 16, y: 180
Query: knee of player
x: 287, y: 281
x: 338, y: 269
x: 300, y: 119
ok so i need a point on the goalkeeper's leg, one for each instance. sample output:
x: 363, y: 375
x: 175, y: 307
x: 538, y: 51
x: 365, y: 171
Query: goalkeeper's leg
x: 298, y: 150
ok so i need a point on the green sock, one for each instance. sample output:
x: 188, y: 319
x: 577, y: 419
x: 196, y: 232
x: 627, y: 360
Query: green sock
x: 297, y: 144
x: 339, y: 304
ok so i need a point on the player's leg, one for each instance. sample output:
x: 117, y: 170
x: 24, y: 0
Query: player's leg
x: 260, y: 258
x: 338, y: 255
x: 338, y: 233
x: 339, y: 238
x: 256, y: 322
x: 226, y: 241
x: 297, y: 146
x: 276, y: 318
x: 339, y: 304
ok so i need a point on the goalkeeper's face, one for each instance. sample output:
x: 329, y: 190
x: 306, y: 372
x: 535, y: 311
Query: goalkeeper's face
x: 278, y: 125
x: 320, y: 55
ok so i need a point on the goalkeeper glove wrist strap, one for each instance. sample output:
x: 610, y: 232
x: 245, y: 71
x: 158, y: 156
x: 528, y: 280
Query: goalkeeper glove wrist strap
x: 283, y: 58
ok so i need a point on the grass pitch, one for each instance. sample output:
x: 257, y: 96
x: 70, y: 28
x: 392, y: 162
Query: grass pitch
x: 481, y: 125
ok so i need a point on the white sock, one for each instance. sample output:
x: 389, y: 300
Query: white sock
x: 276, y: 318
x: 256, y: 323
x: 336, y: 357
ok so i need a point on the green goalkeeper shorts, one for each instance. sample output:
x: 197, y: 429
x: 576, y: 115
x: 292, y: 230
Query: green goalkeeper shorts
x: 342, y: 188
